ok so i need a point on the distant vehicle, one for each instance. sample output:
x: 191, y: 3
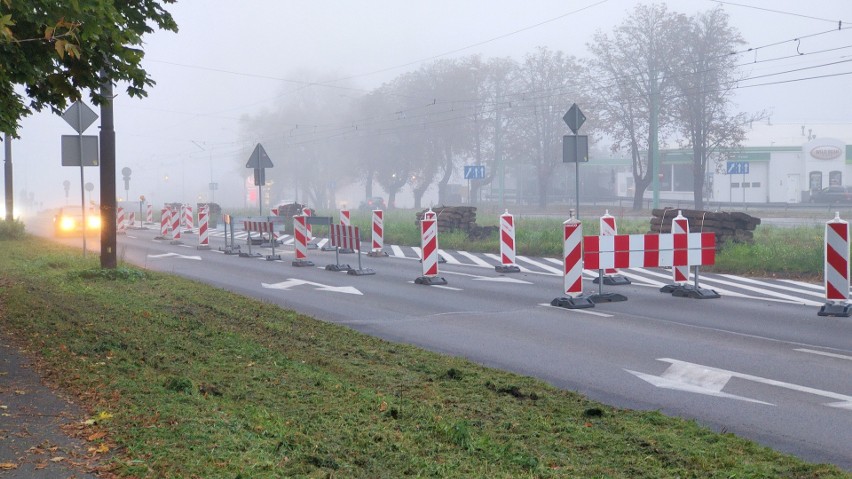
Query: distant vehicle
x: 833, y: 194
x: 69, y: 221
x: 373, y: 203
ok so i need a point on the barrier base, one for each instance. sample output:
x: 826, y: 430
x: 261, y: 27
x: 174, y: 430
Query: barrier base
x: 607, y: 298
x: 312, y: 246
x: 843, y: 310
x: 203, y: 246
x: 273, y: 257
x: 256, y: 241
x: 160, y: 238
x: 689, y: 291
x: 230, y: 249
x: 338, y: 267
x: 327, y: 247
x: 361, y: 272
x: 430, y: 280
x: 612, y: 280
x: 346, y: 251
x: 580, y: 302
x: 507, y: 268
x: 250, y: 255
x: 176, y: 242
x: 377, y: 254
x: 302, y: 262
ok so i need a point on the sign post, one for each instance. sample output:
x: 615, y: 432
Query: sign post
x: 473, y: 172
x: 259, y: 160
x: 575, y: 118
x: 80, y: 117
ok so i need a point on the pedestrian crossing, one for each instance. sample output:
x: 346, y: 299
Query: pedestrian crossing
x: 781, y: 290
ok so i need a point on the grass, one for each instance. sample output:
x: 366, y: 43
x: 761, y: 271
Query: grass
x: 188, y: 381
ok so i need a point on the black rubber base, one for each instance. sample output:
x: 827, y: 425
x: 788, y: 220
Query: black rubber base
x: 203, y: 246
x: 430, y: 280
x: 176, y: 242
x: 507, y: 268
x: 327, y: 247
x: 250, y: 255
x: 689, y: 291
x: 377, y: 254
x: 580, y: 302
x: 612, y: 280
x: 302, y: 262
x: 338, y: 267
x: 842, y: 310
x: 311, y: 246
x: 346, y: 251
x: 607, y: 298
x: 273, y: 257
x: 361, y: 272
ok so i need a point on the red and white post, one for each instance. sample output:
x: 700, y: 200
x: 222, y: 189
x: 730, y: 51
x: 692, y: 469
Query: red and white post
x: 165, y: 223
x: 609, y: 276
x: 572, y: 255
x: 188, y: 219
x: 429, y: 252
x: 300, y: 235
x: 378, y: 235
x: 120, y: 221
x: 836, y: 268
x: 345, y: 222
x: 203, y: 232
x: 175, y: 216
x: 507, y: 245
x: 680, y: 264
x: 149, y: 213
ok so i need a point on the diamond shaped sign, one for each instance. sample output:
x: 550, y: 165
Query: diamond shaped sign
x: 574, y: 118
x: 79, y: 116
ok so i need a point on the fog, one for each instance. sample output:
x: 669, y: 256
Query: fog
x: 231, y: 62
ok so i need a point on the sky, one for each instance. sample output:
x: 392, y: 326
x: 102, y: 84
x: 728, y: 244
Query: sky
x: 229, y: 61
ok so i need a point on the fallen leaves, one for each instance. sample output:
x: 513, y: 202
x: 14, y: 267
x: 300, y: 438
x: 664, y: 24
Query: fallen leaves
x: 8, y: 466
x: 96, y: 436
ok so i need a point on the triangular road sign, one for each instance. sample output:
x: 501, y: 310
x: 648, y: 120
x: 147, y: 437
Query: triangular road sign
x: 259, y: 158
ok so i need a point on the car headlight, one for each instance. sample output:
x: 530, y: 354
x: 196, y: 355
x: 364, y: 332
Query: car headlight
x: 94, y: 221
x: 67, y: 223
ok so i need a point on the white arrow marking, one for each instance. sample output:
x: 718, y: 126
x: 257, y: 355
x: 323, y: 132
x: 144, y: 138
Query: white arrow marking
x: 166, y: 255
x: 823, y: 353
x: 318, y: 286
x: 696, y: 378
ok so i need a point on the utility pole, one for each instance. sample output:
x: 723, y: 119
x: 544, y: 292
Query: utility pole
x: 653, y: 149
x: 10, y: 196
x: 108, y: 200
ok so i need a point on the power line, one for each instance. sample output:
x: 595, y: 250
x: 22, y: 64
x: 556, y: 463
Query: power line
x: 782, y: 12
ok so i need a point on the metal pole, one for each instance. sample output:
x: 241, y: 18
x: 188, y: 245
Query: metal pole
x: 82, y: 179
x: 109, y: 259
x: 10, y: 196
x: 577, y: 171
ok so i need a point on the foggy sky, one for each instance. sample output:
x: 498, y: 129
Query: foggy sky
x: 233, y: 59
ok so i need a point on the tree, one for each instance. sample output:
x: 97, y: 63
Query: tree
x: 56, y: 50
x: 704, y: 77
x: 633, y: 92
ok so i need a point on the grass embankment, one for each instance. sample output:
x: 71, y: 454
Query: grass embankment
x: 190, y: 381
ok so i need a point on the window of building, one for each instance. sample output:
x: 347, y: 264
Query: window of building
x: 815, y: 180
x: 755, y: 184
x: 735, y: 185
x: 835, y: 178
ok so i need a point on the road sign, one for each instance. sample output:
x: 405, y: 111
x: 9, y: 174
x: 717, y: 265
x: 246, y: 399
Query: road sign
x: 574, y: 118
x: 259, y: 177
x: 71, y: 150
x: 79, y: 116
x: 259, y: 158
x: 737, y: 167
x: 474, y: 172
x: 575, y: 146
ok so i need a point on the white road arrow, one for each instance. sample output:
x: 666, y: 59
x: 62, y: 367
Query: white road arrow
x: 495, y: 279
x: 684, y: 376
x: 318, y: 286
x: 167, y: 255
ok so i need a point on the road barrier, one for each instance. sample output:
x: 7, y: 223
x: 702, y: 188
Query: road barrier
x: 260, y: 226
x: 165, y: 224
x: 174, y: 217
x: 572, y: 260
x: 836, y: 271
x: 680, y: 272
x: 309, y: 228
x: 120, y: 224
x: 345, y: 221
x: 149, y: 213
x: 230, y: 247
x: 378, y: 234
x: 347, y: 237
x: 203, y: 233
x: 131, y: 220
x: 507, y: 245
x: 429, y: 251
x: 300, y: 235
x: 609, y: 276
x: 188, y: 220
x: 682, y: 260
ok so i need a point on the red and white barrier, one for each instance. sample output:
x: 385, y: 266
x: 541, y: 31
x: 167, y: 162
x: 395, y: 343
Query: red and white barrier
x: 149, y: 213
x: 188, y: 219
x: 378, y: 234
x: 648, y: 251
x: 131, y: 219
x: 680, y: 265
x: 507, y: 245
x: 300, y: 235
x: 175, y: 219
x: 203, y: 233
x: 344, y: 218
x: 120, y: 221
x: 165, y: 223
x: 836, y: 268
x: 429, y: 251
x: 309, y: 234
x: 346, y: 237
x: 608, y: 228
x: 572, y: 256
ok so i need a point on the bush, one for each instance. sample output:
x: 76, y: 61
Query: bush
x: 12, y: 230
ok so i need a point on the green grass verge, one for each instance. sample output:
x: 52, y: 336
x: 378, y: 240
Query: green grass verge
x: 191, y: 381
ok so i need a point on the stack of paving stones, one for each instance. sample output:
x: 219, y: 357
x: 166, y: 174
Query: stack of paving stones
x: 288, y: 211
x: 459, y: 218
x: 735, y: 227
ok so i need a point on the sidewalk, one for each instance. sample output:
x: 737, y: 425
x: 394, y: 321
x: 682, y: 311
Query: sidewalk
x: 32, y: 444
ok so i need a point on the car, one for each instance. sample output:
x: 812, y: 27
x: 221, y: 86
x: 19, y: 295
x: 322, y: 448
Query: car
x: 69, y: 221
x: 372, y: 203
x: 832, y: 194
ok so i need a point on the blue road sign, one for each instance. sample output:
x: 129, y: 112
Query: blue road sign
x: 474, y: 172
x: 737, y: 167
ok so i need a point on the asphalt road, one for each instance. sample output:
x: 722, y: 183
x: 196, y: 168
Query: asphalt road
x: 757, y: 362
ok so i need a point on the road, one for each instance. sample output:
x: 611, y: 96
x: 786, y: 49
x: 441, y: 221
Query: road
x: 757, y: 362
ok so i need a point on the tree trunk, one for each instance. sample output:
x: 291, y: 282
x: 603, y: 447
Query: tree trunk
x: 368, y: 184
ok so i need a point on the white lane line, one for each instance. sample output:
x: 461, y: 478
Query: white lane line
x: 637, y: 277
x: 728, y: 292
x: 448, y: 257
x: 823, y: 353
x: 417, y: 252
x: 584, y: 311
x: 320, y: 243
x: 397, y: 251
x: 476, y: 259
x: 771, y: 285
x: 543, y: 266
x: 817, y: 287
x: 765, y: 291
